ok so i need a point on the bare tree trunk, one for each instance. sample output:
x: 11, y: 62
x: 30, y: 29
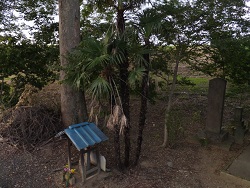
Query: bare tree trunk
x: 73, y: 105
x: 169, y: 105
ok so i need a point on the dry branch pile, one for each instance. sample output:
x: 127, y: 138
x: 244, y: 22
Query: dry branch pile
x: 28, y: 127
x: 35, y: 119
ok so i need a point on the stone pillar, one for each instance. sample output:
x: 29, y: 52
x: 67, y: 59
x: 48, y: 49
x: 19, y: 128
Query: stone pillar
x: 238, y: 123
x: 216, y: 97
x: 238, y: 111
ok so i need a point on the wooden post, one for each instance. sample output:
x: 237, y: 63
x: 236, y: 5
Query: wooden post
x: 88, y: 158
x: 98, y: 160
x: 82, y: 165
x: 69, y: 153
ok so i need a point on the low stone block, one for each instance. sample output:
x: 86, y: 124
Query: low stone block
x: 239, y: 135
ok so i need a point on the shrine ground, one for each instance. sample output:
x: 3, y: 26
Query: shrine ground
x: 189, y: 162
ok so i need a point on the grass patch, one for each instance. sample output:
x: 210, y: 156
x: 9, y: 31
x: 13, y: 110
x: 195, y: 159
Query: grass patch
x: 200, y: 85
x: 236, y: 90
x: 199, y: 81
x: 197, y: 85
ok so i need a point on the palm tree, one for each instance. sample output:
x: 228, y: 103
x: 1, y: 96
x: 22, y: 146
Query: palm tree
x: 109, y: 63
x: 121, y: 6
x: 95, y: 67
x: 149, y: 22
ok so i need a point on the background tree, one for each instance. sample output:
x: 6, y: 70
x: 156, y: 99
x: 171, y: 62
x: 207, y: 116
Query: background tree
x: 224, y: 24
x: 192, y: 27
x: 26, y: 58
x: 7, y: 17
x: 178, y: 31
x: 21, y: 63
x: 39, y: 16
x: 73, y: 105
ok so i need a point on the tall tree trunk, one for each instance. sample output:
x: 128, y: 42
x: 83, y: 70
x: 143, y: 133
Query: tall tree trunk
x: 73, y: 105
x: 169, y: 105
x: 124, y: 87
x: 116, y: 134
x: 117, y: 148
x: 1, y: 89
x: 144, y: 105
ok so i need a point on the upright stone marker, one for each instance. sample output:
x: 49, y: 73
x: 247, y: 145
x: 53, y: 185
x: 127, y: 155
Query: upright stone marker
x: 216, y: 97
x: 238, y: 123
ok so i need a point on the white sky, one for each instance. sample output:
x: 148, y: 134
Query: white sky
x: 30, y: 23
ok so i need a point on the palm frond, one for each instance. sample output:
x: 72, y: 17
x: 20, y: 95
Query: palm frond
x: 135, y: 76
x: 100, y: 61
x: 92, y: 48
x: 123, y: 124
x: 76, y: 75
x: 81, y: 80
x: 91, y: 114
x: 116, y: 114
x: 118, y: 52
x: 96, y: 120
x: 100, y: 88
x: 150, y: 22
x: 117, y: 58
x: 110, y: 123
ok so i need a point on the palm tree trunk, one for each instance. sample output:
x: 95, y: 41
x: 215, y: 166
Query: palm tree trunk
x: 144, y: 106
x: 116, y: 135
x: 117, y: 148
x: 124, y: 87
x: 125, y: 105
x: 143, y: 112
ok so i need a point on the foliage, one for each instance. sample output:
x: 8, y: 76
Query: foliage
x: 234, y: 60
x: 26, y: 57
x: 29, y: 19
x: 93, y: 67
x: 23, y: 62
x: 225, y: 28
x: 41, y: 13
x: 229, y: 59
x: 7, y: 18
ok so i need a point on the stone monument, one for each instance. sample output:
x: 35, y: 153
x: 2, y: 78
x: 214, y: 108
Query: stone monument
x: 216, y: 97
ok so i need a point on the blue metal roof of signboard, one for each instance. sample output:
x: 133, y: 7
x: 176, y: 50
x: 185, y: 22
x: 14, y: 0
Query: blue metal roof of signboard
x: 85, y: 134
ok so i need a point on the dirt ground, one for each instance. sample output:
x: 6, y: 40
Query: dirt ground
x: 188, y: 163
